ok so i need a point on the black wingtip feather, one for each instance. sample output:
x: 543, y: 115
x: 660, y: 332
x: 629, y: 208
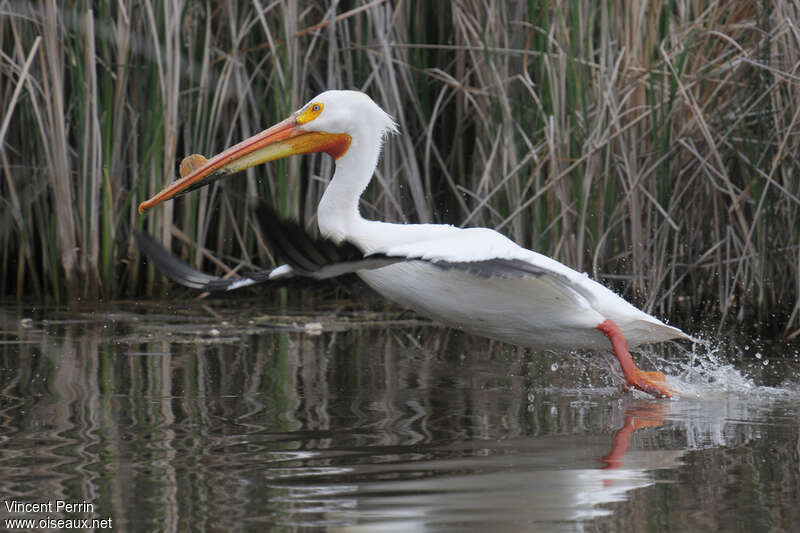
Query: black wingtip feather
x: 169, y: 265
x: 183, y: 274
x: 292, y: 243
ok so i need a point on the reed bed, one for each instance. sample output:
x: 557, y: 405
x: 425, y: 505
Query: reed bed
x: 653, y: 145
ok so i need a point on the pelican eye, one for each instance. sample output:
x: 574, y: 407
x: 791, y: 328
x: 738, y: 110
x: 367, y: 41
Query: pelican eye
x: 311, y: 112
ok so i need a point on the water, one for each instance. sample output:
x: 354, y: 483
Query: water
x: 208, y: 417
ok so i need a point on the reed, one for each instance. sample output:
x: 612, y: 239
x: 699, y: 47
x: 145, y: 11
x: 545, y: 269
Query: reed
x: 653, y: 145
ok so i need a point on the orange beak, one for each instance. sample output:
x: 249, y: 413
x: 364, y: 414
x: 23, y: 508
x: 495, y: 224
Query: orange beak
x: 281, y: 140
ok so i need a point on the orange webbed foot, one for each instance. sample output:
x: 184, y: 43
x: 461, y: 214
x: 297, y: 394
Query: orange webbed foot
x: 653, y: 383
x: 655, y: 376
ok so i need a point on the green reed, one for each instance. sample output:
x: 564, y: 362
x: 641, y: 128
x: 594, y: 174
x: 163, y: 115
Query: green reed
x: 653, y: 146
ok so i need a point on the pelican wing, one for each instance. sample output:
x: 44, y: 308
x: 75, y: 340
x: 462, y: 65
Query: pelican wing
x: 306, y: 257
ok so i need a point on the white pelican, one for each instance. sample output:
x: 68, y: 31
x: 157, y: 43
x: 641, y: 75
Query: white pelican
x: 474, y: 279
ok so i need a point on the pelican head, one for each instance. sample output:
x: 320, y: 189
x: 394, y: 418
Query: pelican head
x: 339, y: 123
x: 350, y: 112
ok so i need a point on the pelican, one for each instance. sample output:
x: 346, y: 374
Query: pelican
x: 474, y: 279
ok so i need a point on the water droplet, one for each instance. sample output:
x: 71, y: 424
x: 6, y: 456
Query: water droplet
x: 758, y: 355
x: 766, y: 362
x: 531, y: 397
x: 554, y: 367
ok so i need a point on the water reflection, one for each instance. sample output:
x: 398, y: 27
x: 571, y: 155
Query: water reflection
x: 164, y: 418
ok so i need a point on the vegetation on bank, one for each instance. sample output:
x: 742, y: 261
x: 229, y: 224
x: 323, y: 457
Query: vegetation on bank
x: 653, y: 145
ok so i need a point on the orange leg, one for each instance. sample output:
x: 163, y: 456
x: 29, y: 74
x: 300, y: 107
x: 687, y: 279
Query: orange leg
x: 644, y: 381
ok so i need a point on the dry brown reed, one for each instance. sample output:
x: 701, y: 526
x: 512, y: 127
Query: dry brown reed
x: 651, y: 144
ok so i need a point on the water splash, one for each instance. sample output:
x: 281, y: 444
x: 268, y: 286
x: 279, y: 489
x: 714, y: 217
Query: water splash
x: 709, y: 369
